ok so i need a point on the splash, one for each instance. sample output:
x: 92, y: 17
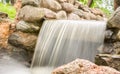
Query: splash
x: 11, y: 66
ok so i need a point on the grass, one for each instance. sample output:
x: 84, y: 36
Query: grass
x: 7, y: 8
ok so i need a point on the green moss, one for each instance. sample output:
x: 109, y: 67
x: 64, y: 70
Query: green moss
x: 7, y: 8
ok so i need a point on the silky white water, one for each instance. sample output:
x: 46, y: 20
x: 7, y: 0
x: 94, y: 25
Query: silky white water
x: 62, y: 41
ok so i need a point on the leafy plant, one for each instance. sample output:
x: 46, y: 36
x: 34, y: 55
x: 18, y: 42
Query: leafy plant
x: 7, y: 8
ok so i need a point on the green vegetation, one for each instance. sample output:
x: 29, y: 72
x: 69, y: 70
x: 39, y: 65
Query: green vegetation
x: 105, y: 5
x: 7, y: 8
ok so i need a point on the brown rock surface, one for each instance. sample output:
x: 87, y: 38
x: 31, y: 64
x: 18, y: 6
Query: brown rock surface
x: 23, y: 40
x: 108, y: 60
x: 4, y: 32
x: 81, y: 66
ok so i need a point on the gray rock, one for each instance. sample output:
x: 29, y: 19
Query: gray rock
x: 49, y: 14
x: 79, y: 12
x: 30, y: 2
x: 68, y: 7
x: 73, y: 16
x: 114, y: 21
x: 31, y: 14
x: 50, y: 4
x: 61, y: 15
x: 28, y: 27
x: 23, y: 40
x: 71, y: 1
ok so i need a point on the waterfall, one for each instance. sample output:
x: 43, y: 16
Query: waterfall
x: 62, y: 41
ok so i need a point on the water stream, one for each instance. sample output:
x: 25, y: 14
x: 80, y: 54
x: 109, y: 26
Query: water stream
x: 62, y: 41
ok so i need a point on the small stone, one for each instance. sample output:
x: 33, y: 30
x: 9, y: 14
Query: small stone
x: 49, y: 14
x: 68, y: 7
x: 71, y: 1
x: 118, y: 35
x: 61, y: 15
x: 28, y: 27
x: 50, y: 4
x: 30, y: 2
x: 73, y: 16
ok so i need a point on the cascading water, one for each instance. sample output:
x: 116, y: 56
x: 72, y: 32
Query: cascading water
x: 62, y: 41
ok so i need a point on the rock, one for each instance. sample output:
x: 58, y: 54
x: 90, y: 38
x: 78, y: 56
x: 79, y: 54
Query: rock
x: 79, y: 12
x: 71, y: 1
x: 28, y: 27
x: 61, y: 15
x: 73, y: 16
x: 116, y: 47
x: 77, y: 4
x: 68, y: 7
x: 30, y: 2
x: 23, y: 40
x: 50, y: 4
x: 108, y: 60
x: 61, y: 1
x: 81, y: 66
x: 3, y: 15
x: 97, y: 11
x: 49, y: 14
x: 31, y: 14
x: 92, y: 16
x: 86, y: 16
x: 99, y: 17
x: 118, y: 35
x: 113, y: 22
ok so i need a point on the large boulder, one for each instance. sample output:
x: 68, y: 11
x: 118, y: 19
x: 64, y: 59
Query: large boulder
x: 51, y: 4
x: 28, y: 27
x: 114, y: 21
x: 23, y: 40
x: 31, y: 14
x: 81, y: 66
x: 30, y: 2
